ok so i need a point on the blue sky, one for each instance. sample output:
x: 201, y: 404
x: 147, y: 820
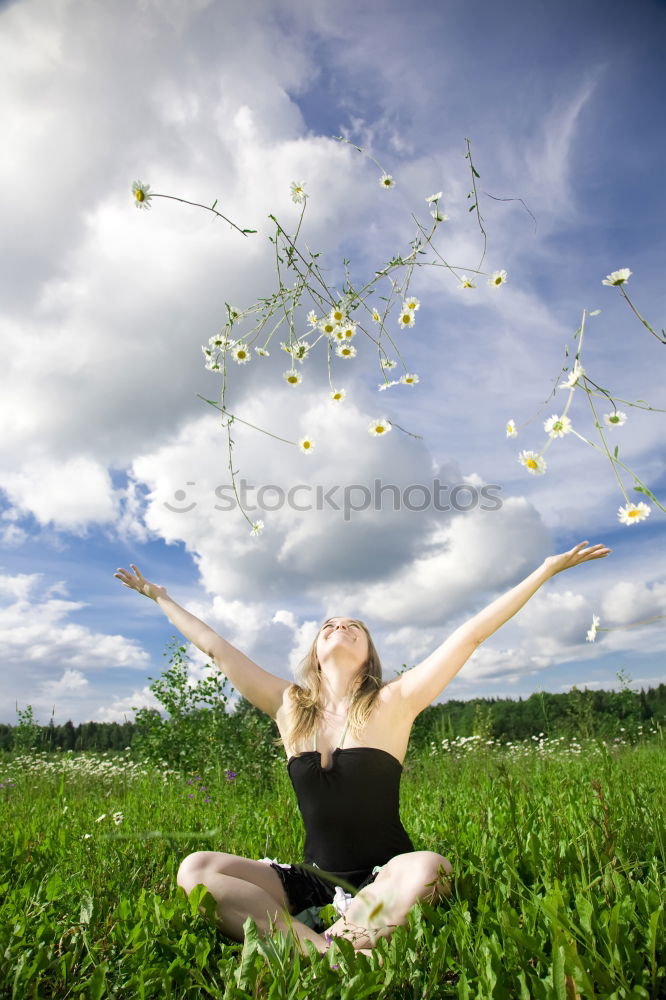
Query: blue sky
x: 105, y: 310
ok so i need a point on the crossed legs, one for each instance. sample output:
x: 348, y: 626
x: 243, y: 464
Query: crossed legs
x: 244, y: 888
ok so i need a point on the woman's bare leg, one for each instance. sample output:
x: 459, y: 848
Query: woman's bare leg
x: 244, y: 888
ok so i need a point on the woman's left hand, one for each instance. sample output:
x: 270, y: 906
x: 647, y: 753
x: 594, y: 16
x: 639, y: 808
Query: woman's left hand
x: 580, y: 553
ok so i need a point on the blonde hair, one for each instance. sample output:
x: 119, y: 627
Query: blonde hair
x: 305, y: 693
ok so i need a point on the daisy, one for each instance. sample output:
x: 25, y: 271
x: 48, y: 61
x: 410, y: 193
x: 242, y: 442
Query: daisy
x: 346, y: 351
x: 299, y: 350
x: 292, y: 377
x: 433, y: 197
x: 306, y: 445
x: 348, y: 330
x: 465, y: 282
x: 557, y: 427
x: 409, y: 379
x: 511, y: 431
x: 592, y: 632
x: 328, y: 327
x: 631, y: 513
x: 376, y: 318
x: 387, y: 385
x: 338, y: 315
x: 213, y: 366
x: 533, y: 463
x: 298, y: 194
x: 219, y: 341
x: 262, y: 352
x: 379, y: 427
x: 615, y: 419
x: 439, y: 216
x: 337, y: 395
x: 257, y: 528
x: 312, y: 318
x: 574, y: 375
x: 387, y: 364
x: 386, y: 181
x: 118, y: 818
x: 240, y: 354
x: 412, y: 304
x: 406, y: 317
x: 141, y: 194
x: 617, y: 277
x: 497, y: 278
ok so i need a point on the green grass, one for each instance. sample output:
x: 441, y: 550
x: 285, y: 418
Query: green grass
x: 558, y: 853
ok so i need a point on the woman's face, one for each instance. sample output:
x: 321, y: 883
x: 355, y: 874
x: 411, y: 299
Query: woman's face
x: 343, y: 633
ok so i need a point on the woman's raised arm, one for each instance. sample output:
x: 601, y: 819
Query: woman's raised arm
x: 260, y: 687
x: 423, y: 683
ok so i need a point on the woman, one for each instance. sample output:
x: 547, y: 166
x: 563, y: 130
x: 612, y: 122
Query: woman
x: 348, y: 795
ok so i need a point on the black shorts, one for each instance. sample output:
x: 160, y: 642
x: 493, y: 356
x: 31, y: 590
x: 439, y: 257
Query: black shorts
x: 306, y: 891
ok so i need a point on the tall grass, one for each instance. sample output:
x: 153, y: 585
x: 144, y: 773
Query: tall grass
x: 558, y: 852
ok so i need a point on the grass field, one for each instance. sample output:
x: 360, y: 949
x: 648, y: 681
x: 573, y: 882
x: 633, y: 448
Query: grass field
x: 558, y: 850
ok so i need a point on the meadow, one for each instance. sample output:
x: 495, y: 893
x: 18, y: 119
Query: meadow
x: 558, y: 848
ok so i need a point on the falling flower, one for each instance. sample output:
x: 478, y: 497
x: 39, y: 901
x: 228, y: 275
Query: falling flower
x: 497, y: 278
x: 412, y: 304
x: 257, y: 528
x: 306, y: 445
x: 631, y: 513
x: 617, y: 277
x: 379, y: 427
x: 574, y: 375
x: 511, y: 431
x: 312, y: 318
x: 615, y: 419
x: 557, y: 427
x: 100, y: 818
x: 387, y: 364
x: 87, y: 836
x: 346, y: 351
x: 292, y: 377
x: 433, y: 197
x: 141, y: 194
x: 592, y: 632
x: 408, y: 379
x: 406, y: 317
x: 298, y: 194
x: 337, y: 395
x: 533, y: 462
x: 386, y: 181
x: 376, y: 318
x: 240, y: 354
x: 118, y: 818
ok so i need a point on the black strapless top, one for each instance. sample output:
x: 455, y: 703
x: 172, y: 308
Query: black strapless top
x: 350, y: 810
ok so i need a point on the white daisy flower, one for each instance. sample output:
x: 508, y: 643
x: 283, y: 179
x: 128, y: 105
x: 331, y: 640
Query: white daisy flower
x: 497, y: 278
x: 298, y: 194
x: 118, y: 818
x: 433, y: 197
x: 337, y: 395
x: 574, y: 375
x: 533, y: 462
x: 306, y: 445
x: 615, y: 419
x: 338, y: 315
x: 387, y: 385
x: 213, y: 366
x: 348, y: 330
x: 557, y: 427
x: 439, y: 216
x: 262, y: 352
x: 142, y: 195
x: 408, y: 379
x: 218, y: 341
x: 257, y: 528
x: 376, y: 318
x: 241, y: 354
x: 411, y: 303
x: 617, y: 277
x: 633, y: 512
x: 379, y: 427
x: 386, y: 181
x: 346, y: 351
x: 592, y: 631
x: 511, y: 431
x: 328, y: 327
x: 312, y: 318
x: 292, y: 377
x: 466, y: 282
x: 100, y: 818
x: 387, y: 364
x: 406, y: 318
x: 300, y: 350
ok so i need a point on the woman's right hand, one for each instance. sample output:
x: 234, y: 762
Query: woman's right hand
x: 142, y: 586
